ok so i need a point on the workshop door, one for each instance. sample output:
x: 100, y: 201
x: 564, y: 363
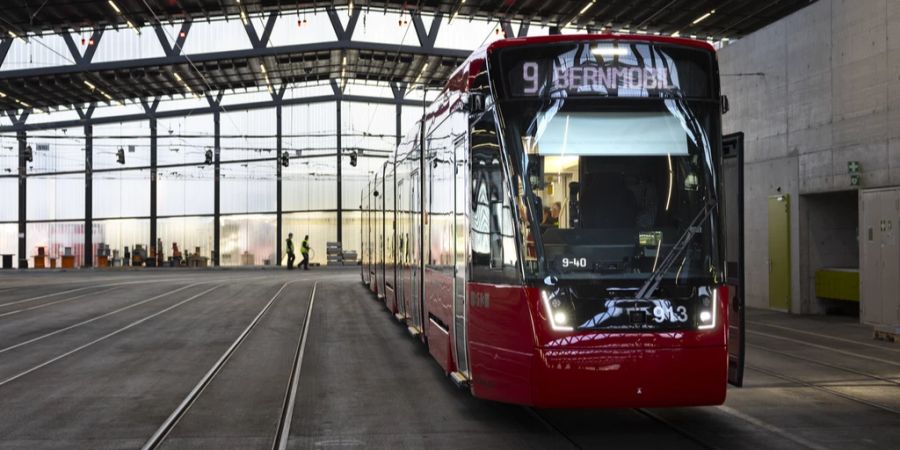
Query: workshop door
x: 780, y: 252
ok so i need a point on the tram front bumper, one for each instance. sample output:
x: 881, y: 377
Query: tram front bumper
x: 628, y: 377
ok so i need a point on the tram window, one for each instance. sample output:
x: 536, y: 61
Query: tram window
x: 494, y: 251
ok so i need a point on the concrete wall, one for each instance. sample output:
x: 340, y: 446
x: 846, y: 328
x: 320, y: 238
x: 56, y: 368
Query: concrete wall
x: 811, y: 92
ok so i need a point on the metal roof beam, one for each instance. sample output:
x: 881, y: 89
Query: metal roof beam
x: 19, y: 121
x: 150, y: 108
x: 508, y: 30
x: 243, y: 54
x: 427, y: 39
x: 255, y: 39
x: 343, y: 34
x: 173, y: 50
x: 399, y: 90
x: 86, y: 114
x: 83, y: 60
x: 5, y: 44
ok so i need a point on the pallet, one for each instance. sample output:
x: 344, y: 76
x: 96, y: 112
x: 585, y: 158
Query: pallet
x: 887, y: 335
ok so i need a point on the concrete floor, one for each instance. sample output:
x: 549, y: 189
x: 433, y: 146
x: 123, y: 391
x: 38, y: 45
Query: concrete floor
x: 100, y: 359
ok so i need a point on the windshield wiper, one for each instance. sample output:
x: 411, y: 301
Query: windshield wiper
x: 680, y: 246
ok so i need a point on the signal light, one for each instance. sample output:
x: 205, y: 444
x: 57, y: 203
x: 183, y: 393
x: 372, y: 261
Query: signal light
x: 29, y: 154
x: 209, y: 157
x: 285, y: 160
x: 353, y: 159
x: 120, y: 156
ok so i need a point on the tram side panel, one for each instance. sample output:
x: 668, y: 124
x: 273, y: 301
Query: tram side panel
x: 405, y: 234
x: 439, y: 258
x: 382, y: 234
x: 501, y: 338
x: 377, y: 234
x: 417, y: 236
x: 367, y: 245
x: 390, y: 228
x: 363, y: 229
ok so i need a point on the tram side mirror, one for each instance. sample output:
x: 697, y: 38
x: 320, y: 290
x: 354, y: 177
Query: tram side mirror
x: 725, y: 106
x: 476, y: 103
x: 536, y: 172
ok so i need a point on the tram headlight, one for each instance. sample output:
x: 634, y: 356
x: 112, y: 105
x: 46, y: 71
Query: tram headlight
x: 556, y: 314
x: 560, y: 318
x: 707, y: 317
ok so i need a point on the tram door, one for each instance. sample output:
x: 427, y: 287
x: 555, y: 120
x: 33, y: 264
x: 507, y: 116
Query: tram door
x: 400, y: 260
x: 733, y: 198
x: 414, y: 250
x: 461, y: 199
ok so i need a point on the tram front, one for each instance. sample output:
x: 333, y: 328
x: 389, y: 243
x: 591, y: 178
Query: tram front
x: 613, y: 147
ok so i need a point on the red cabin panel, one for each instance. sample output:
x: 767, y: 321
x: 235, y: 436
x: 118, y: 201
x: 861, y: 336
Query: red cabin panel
x: 439, y: 314
x: 501, y: 342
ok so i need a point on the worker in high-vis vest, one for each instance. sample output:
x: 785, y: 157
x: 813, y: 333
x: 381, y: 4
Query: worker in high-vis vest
x: 290, y: 251
x: 304, y: 251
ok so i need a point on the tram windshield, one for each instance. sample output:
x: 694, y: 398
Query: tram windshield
x: 615, y: 176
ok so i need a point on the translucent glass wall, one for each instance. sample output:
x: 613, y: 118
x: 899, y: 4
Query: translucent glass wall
x: 121, y: 199
x: 320, y: 227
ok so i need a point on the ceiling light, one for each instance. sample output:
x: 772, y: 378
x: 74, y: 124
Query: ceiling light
x: 703, y: 17
x: 676, y: 34
x: 422, y: 72
x: 266, y: 76
x: 90, y: 85
x: 115, y: 7
x: 586, y: 7
x: 2, y: 94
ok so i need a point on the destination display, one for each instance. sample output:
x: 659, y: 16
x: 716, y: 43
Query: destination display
x: 592, y: 79
x: 606, y: 69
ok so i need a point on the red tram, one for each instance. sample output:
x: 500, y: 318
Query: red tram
x: 552, y: 227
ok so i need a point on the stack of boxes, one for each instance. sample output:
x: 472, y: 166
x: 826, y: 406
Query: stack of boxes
x: 335, y: 254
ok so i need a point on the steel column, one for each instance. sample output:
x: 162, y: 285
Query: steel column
x: 88, y: 195
x: 216, y: 258
x: 399, y: 118
x: 340, y: 215
x: 23, y: 198
x: 153, y: 178
x: 278, y: 219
